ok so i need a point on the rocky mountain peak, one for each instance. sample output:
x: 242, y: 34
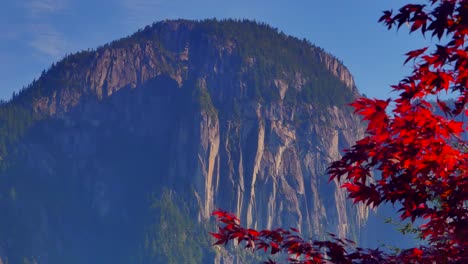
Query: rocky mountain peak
x: 165, y: 48
x: 156, y: 130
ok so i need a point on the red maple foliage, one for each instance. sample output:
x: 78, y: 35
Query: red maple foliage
x: 422, y: 156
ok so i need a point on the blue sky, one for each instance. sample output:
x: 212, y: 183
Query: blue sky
x: 36, y: 33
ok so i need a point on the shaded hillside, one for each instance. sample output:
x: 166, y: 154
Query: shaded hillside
x: 120, y: 154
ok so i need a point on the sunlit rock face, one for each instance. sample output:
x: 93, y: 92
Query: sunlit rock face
x: 229, y: 114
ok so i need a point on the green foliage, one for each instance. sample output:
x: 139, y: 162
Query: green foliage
x: 173, y: 237
x: 17, y: 115
x: 13, y: 194
x: 203, y: 99
x: 15, y: 120
x: 68, y: 73
x: 405, y: 227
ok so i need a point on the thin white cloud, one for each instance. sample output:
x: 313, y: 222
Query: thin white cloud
x: 45, y: 7
x: 141, y: 5
x: 141, y: 12
x: 48, y: 41
x: 43, y: 35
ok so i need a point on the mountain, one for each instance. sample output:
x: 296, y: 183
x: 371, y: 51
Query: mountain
x: 120, y: 154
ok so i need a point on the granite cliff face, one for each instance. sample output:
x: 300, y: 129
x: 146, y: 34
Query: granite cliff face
x: 228, y: 114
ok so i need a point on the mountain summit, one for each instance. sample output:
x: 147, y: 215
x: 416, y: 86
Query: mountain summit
x: 120, y: 154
